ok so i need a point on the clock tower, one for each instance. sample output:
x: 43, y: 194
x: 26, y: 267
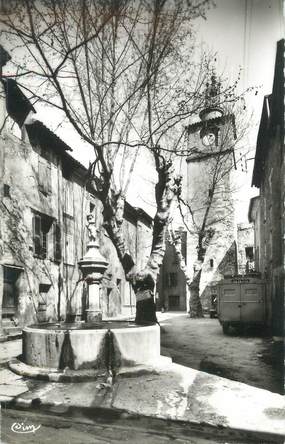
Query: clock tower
x: 210, y: 214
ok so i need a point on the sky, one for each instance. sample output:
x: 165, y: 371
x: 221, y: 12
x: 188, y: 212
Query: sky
x: 244, y: 34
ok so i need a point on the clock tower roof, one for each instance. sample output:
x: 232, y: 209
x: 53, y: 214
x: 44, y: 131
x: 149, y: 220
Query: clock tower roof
x: 212, y: 108
x: 211, y: 122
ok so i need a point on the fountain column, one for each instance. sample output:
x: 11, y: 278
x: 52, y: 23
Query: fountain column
x: 93, y: 265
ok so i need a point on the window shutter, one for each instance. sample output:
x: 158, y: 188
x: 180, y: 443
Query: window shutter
x: 44, y: 246
x: 69, y: 244
x: 57, y: 242
x: 44, y: 176
x: 41, y: 175
x: 48, y: 177
x: 69, y: 240
x: 37, y: 235
x: 68, y: 197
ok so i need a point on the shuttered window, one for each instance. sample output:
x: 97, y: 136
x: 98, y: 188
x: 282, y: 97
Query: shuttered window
x: 57, y: 242
x: 37, y: 235
x: 44, y: 176
x: 69, y: 248
x: 68, y: 197
x: 41, y: 227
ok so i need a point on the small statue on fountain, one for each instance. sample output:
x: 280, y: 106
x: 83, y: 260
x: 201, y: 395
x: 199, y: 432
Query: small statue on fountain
x: 91, y: 227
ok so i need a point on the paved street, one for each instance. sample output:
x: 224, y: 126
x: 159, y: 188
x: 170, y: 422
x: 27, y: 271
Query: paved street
x: 82, y: 430
x: 76, y: 413
x: 54, y: 429
x: 10, y: 349
x: 201, y: 344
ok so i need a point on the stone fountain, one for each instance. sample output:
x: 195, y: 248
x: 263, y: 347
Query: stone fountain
x: 74, y: 351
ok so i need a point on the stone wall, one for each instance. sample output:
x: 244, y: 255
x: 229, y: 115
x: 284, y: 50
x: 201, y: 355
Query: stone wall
x: 42, y: 279
x: 49, y: 288
x: 271, y: 215
x: 268, y: 213
x: 245, y: 243
x: 171, y: 286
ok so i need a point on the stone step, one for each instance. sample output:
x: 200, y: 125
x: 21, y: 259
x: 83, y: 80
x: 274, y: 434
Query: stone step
x: 12, y: 332
x: 7, y: 321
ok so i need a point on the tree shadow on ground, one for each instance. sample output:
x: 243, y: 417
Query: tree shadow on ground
x: 253, y: 331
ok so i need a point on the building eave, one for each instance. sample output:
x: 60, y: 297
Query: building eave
x: 262, y: 143
x: 134, y: 214
x: 17, y: 104
x: 272, y: 116
x: 144, y: 216
x: 19, y: 107
x: 4, y: 56
x: 45, y: 137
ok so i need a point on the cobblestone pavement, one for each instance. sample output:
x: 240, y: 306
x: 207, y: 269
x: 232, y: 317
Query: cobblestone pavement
x: 248, y: 357
x: 198, y: 344
x: 10, y: 349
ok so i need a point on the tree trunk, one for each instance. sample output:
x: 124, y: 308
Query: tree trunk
x: 143, y: 281
x: 143, y: 285
x: 195, y: 306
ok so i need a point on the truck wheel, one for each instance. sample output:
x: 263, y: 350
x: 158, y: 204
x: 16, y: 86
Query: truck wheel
x: 226, y: 328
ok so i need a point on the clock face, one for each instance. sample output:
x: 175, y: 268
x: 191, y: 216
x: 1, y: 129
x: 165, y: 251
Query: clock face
x: 208, y: 139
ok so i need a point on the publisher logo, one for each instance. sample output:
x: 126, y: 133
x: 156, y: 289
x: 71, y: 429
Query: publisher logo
x: 21, y: 427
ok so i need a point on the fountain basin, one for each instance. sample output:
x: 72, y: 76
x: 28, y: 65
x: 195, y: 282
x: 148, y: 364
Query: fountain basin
x: 110, y: 344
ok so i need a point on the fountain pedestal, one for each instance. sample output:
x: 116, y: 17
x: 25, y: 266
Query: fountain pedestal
x: 93, y: 313
x: 93, y: 265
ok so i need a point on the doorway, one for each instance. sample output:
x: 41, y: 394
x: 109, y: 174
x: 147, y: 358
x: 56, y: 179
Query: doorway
x: 10, y: 291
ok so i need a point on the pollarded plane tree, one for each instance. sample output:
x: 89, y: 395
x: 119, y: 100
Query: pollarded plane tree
x: 123, y: 76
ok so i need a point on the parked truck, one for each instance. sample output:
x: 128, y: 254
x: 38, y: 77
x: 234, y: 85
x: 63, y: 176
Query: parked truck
x: 241, y: 302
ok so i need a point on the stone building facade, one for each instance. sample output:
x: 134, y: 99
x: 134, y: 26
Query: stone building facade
x: 267, y: 210
x: 254, y: 218
x: 44, y: 201
x: 171, y: 291
x: 245, y: 248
